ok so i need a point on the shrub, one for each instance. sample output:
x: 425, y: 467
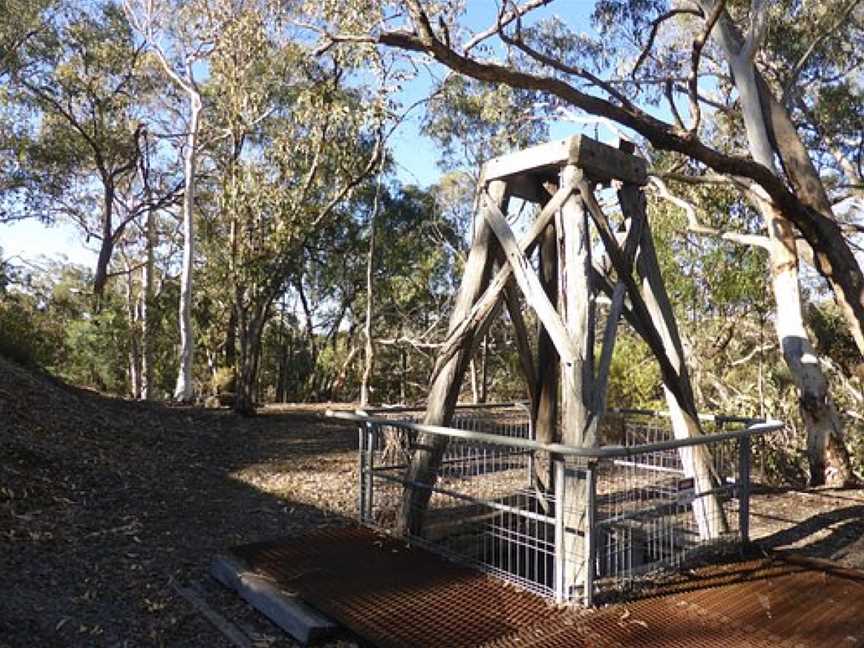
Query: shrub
x: 223, y: 381
x: 23, y: 337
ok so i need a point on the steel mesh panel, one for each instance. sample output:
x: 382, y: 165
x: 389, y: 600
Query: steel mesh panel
x: 393, y: 595
x: 494, y: 506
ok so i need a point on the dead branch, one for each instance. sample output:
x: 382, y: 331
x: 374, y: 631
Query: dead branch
x: 695, y: 56
x: 504, y: 19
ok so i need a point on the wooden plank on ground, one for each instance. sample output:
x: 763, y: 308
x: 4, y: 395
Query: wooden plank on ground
x: 286, y: 611
x: 228, y: 629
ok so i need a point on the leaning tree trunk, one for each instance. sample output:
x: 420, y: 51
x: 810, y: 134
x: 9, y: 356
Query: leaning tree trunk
x: 762, y: 119
x: 184, y: 389
x: 826, y: 452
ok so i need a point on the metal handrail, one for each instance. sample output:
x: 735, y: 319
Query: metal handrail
x: 521, y: 404
x: 467, y: 406
x: 602, y: 452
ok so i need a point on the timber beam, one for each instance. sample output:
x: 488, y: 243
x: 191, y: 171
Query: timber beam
x: 526, y: 170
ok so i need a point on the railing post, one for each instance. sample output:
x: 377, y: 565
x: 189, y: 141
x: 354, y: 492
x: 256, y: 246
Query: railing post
x: 531, y: 474
x: 361, y: 464
x: 560, y: 558
x: 744, y: 488
x: 371, y: 429
x: 590, y: 536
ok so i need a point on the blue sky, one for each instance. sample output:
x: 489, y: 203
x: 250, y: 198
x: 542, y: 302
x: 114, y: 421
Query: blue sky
x: 415, y: 155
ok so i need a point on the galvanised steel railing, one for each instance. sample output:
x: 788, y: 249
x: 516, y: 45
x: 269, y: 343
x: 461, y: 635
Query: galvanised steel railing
x: 561, y: 521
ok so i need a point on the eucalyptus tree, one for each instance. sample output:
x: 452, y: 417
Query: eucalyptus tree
x: 76, y: 91
x: 682, y: 55
x: 417, y: 272
x: 20, y: 21
x: 298, y: 141
x: 182, y: 36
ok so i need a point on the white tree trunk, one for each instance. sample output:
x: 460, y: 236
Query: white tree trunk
x: 184, y: 390
x: 824, y: 430
x: 475, y: 395
x: 827, y: 454
x: 369, y: 348
x: 134, y: 339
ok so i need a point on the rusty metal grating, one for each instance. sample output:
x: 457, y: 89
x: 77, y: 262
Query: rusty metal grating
x: 398, y: 596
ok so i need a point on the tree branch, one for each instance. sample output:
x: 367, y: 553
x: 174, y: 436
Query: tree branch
x: 655, y: 26
x: 696, y: 54
x: 833, y: 260
x: 504, y: 19
x: 758, y: 26
x: 802, y: 61
x: 693, y: 224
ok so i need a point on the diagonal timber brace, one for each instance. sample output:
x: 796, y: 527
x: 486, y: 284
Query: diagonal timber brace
x: 483, y: 307
x: 528, y: 281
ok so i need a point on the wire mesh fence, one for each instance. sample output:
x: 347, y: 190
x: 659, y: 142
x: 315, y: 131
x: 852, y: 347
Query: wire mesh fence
x: 564, y: 523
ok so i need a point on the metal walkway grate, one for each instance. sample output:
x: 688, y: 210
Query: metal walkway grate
x: 398, y: 596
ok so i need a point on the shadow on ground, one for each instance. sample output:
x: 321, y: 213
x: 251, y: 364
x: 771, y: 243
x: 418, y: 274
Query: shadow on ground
x: 106, y: 505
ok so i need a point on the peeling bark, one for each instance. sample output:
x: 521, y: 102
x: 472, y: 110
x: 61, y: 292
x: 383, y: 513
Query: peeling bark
x: 826, y: 452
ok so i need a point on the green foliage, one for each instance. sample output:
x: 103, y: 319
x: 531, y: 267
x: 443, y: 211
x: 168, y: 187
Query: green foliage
x: 95, y: 350
x: 472, y: 121
x: 634, y: 377
x: 831, y: 336
x: 223, y: 380
x: 81, y: 74
x: 26, y: 336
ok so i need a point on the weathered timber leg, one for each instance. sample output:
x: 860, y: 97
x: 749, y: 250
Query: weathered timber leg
x: 546, y: 405
x: 629, y: 240
x: 697, y: 460
x: 577, y: 376
x: 444, y: 392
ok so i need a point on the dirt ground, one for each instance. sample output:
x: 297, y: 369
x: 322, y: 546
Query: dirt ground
x: 108, y: 506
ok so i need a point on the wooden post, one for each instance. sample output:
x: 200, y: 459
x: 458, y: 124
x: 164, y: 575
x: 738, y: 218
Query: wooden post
x: 577, y: 376
x: 482, y: 310
x: 574, y: 271
x: 630, y: 237
x: 444, y: 391
x: 697, y: 461
x: 546, y: 407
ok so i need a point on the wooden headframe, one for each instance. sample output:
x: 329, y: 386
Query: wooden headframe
x: 561, y: 177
